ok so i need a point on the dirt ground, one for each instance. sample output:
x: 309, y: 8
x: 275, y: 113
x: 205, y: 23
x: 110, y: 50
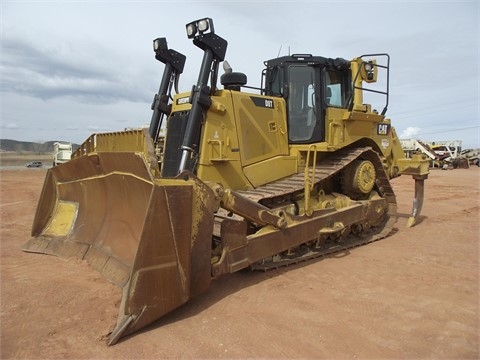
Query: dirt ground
x: 413, y: 295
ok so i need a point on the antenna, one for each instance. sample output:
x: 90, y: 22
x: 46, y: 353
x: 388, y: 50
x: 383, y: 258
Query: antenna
x: 278, y: 55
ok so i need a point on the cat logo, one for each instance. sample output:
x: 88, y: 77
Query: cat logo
x: 383, y: 129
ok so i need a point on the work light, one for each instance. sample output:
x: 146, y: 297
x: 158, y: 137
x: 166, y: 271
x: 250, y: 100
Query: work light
x: 368, y: 66
x: 203, y: 25
x: 369, y: 71
x: 199, y: 27
x: 191, y: 30
x: 160, y: 44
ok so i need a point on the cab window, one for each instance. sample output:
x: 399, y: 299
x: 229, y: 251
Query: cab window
x: 335, y: 89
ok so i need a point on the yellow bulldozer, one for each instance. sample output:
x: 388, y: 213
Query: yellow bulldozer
x: 238, y: 177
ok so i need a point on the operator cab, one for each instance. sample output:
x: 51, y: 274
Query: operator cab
x: 309, y: 84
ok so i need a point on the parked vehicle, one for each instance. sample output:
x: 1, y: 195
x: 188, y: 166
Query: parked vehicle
x: 34, y: 164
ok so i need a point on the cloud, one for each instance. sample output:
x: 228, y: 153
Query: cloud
x: 63, y: 71
x: 11, y: 126
x: 96, y: 128
x: 410, y: 132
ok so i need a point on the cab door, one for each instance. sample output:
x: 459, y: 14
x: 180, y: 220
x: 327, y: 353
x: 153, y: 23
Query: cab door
x: 305, y: 116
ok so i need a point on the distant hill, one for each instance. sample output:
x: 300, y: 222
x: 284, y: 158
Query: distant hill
x: 27, y: 146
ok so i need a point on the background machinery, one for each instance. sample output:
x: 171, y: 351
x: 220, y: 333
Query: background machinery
x: 62, y: 152
x: 239, y: 180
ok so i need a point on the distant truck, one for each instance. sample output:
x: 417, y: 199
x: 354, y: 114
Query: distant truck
x: 62, y: 152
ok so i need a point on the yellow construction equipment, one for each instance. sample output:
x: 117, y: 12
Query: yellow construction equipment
x: 296, y: 169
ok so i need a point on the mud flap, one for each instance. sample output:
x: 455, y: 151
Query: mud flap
x: 151, y: 237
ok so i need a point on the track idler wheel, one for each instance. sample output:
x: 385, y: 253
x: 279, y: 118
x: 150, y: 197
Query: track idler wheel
x: 359, y: 179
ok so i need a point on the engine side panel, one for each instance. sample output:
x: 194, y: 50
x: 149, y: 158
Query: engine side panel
x: 241, y: 133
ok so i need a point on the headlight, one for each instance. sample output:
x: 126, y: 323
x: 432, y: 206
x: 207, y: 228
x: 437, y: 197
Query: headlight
x: 199, y: 27
x: 203, y: 25
x: 369, y: 70
x: 191, y: 30
x: 160, y: 44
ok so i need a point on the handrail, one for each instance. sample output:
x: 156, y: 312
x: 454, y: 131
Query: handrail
x: 309, y: 177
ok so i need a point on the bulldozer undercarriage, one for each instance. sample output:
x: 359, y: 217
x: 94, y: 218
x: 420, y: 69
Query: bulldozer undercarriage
x: 338, y: 223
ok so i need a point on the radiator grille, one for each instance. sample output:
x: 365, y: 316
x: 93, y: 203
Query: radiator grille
x: 176, y: 126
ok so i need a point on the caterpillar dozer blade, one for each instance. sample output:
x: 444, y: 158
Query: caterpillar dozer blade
x: 150, y: 236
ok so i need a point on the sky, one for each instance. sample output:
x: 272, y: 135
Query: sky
x: 73, y: 68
